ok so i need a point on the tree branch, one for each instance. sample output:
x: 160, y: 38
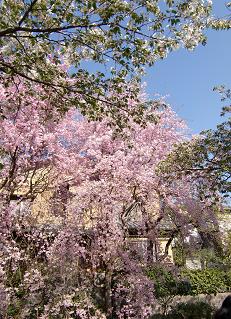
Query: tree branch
x: 48, y: 30
x: 29, y: 9
x: 53, y: 85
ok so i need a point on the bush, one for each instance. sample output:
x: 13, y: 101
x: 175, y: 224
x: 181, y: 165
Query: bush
x: 164, y: 282
x: 189, y: 282
x: 179, y: 255
x: 207, y: 281
x: 167, y: 284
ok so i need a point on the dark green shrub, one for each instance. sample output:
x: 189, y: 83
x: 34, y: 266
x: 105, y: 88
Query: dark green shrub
x: 179, y: 256
x: 164, y: 281
x: 189, y: 282
x: 167, y: 284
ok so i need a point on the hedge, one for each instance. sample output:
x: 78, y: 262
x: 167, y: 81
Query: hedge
x: 207, y: 281
x: 189, y: 282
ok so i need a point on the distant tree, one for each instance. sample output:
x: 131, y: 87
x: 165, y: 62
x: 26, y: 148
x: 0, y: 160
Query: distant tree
x: 208, y: 155
x: 205, y: 160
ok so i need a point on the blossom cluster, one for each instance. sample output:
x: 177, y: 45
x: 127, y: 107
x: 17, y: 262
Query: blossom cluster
x: 100, y: 186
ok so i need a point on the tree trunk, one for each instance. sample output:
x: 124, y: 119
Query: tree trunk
x: 108, y: 299
x: 150, y: 251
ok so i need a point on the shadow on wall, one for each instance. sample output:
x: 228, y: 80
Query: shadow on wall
x: 225, y: 311
x: 197, y: 307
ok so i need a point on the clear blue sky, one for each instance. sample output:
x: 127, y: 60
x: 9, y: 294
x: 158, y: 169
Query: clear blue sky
x: 189, y: 77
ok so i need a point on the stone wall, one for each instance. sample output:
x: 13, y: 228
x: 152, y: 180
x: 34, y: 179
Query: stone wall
x: 167, y: 303
x: 213, y: 300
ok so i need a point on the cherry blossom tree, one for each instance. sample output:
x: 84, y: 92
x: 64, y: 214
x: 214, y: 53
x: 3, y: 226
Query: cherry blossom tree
x: 76, y: 261
x: 81, y: 265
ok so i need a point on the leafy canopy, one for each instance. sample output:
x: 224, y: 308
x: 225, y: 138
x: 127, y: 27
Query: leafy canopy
x: 51, y: 42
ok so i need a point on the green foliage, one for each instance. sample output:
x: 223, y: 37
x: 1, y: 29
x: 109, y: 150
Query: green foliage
x: 228, y: 246
x: 189, y: 282
x: 167, y: 284
x: 164, y: 281
x: 37, y: 37
x: 207, y: 281
x: 12, y: 310
x: 179, y: 256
